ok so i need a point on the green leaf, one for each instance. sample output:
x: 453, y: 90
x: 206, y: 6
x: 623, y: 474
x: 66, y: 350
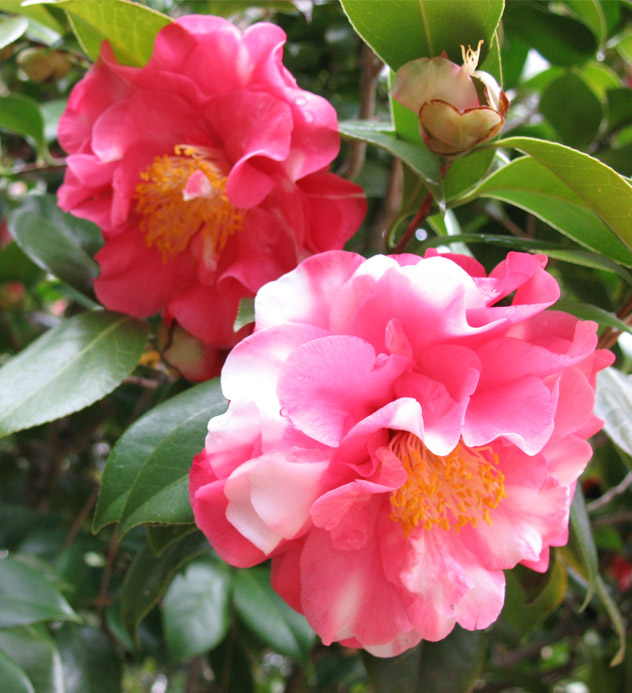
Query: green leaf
x: 398, y: 674
x: 21, y: 115
x: 613, y: 404
x: 403, y: 30
x: 591, y: 14
x: 245, y: 314
x: 585, y: 311
x: 57, y: 242
x: 421, y: 160
x: 16, y: 266
x: 147, y: 474
x: 13, y: 678
x: 232, y: 666
x: 467, y: 171
x: 148, y: 577
x: 68, y: 368
x: 34, y: 651
x: 561, y: 39
x: 598, y: 186
x: 27, y: 597
x: 41, y: 15
x: 11, y: 29
x: 453, y: 664
x: 269, y: 617
x: 129, y: 27
x: 572, y: 108
x: 616, y: 619
x: 196, y: 608
x: 582, y: 542
x: 161, y: 537
x: 534, y: 187
x: 531, y: 596
x: 89, y: 661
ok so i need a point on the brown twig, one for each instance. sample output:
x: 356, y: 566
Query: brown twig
x: 102, y: 599
x: 423, y: 212
x: 388, y: 210
x: 80, y: 519
x: 370, y: 68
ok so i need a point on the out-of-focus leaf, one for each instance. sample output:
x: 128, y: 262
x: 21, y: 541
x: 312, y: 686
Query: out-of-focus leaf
x: 561, y: 39
x: 39, y: 14
x: 232, y: 667
x: 599, y: 187
x: 57, y: 242
x: 398, y: 674
x: 526, y: 606
x: 35, y: 652
x: 600, y: 78
x: 623, y: 46
x: 619, y: 158
x: 269, y: 617
x: 147, y: 474
x: 90, y: 663
x: 534, y: 187
x: 431, y: 26
x: 15, y: 265
x: 585, y: 311
x: 591, y: 14
x: 196, y: 608
x: 11, y: 28
x: 245, y: 314
x: 21, y: 114
x: 421, y: 160
x: 453, y: 664
x: 616, y: 619
x: 148, y: 576
x: 13, y: 678
x: 68, y: 368
x: 129, y: 27
x: 613, y: 404
x: 27, y: 597
x: 582, y: 542
x: 572, y: 108
x: 619, y: 107
x: 51, y: 112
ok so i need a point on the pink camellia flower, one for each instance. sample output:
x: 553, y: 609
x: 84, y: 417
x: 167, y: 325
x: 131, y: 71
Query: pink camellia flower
x: 458, y: 107
x: 400, y: 431
x: 206, y: 171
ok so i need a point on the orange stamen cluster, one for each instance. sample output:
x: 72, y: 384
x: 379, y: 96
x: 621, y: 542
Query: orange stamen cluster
x: 446, y: 492
x: 168, y: 220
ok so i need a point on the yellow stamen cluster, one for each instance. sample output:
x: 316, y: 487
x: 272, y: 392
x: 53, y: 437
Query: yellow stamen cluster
x: 168, y: 220
x: 445, y: 492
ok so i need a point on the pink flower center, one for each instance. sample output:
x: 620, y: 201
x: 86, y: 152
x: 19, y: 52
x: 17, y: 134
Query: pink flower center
x: 181, y: 195
x: 448, y: 492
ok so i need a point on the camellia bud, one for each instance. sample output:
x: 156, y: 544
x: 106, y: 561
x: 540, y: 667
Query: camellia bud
x: 458, y: 107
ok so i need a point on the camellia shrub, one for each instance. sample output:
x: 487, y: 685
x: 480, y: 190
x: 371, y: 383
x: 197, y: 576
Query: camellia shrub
x: 315, y: 331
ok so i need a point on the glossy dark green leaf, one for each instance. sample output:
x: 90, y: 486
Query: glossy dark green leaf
x: 11, y: 28
x: 531, y: 596
x: 57, y: 242
x: 534, y: 187
x: 129, y: 27
x: 148, y: 577
x: 401, y: 30
x: 590, y: 13
x: 147, y: 474
x: 21, y: 115
x: 453, y: 664
x: 13, y: 678
x: 573, y: 109
x: 161, y: 537
x: 582, y: 542
x: 421, y: 160
x: 196, y: 608
x: 613, y: 404
x: 89, y: 661
x: 269, y: 617
x: 466, y: 171
x: 27, y: 597
x: 34, y: 651
x: 561, y: 39
x: 598, y: 186
x: 68, y: 368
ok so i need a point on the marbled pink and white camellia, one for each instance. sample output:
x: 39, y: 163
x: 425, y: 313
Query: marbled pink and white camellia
x: 400, y: 431
x: 206, y: 171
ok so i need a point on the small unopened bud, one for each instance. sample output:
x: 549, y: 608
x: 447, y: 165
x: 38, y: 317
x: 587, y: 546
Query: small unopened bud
x: 188, y: 355
x: 459, y: 107
x: 41, y: 65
